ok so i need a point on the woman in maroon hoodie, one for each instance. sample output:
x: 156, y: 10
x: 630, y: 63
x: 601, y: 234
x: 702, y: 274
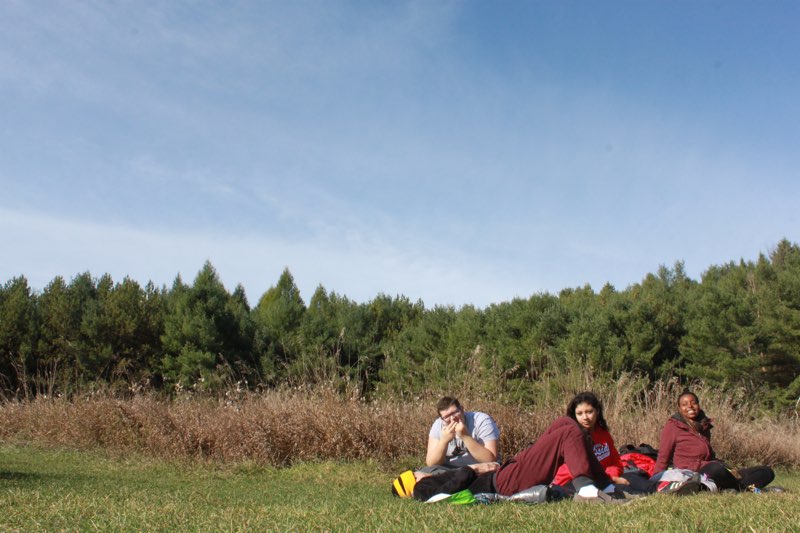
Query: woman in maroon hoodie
x: 686, y: 443
x: 587, y: 410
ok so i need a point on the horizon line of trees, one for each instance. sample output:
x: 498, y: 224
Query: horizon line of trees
x: 740, y: 324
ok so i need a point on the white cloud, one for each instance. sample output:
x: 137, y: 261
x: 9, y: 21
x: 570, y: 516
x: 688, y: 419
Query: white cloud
x: 359, y: 268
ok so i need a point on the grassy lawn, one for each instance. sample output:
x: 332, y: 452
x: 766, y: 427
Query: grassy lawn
x: 47, y: 490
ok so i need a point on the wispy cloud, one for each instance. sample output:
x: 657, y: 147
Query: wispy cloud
x: 444, y: 151
x: 360, y: 267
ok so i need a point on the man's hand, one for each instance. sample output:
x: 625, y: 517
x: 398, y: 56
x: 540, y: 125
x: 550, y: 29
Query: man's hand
x: 460, y: 428
x: 450, y: 430
x: 421, y: 475
x: 482, y: 468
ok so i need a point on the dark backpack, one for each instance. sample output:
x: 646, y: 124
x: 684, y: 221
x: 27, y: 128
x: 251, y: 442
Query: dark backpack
x: 644, y: 449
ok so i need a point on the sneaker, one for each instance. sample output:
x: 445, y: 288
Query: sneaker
x: 626, y: 495
x: 681, y: 488
x: 601, y: 497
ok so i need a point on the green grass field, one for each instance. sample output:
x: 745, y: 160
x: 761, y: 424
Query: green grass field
x: 48, y: 490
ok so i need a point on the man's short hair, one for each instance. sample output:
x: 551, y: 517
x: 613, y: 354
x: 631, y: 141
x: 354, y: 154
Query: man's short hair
x: 445, y: 404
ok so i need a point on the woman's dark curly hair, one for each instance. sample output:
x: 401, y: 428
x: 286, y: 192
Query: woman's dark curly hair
x: 591, y: 399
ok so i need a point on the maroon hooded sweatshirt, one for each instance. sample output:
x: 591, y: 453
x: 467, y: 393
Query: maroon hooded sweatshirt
x: 564, y: 442
x: 683, y: 447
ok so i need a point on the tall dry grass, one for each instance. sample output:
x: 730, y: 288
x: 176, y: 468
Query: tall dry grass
x: 286, y: 426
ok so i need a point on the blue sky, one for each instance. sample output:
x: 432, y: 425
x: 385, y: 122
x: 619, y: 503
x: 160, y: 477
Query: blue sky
x: 454, y: 152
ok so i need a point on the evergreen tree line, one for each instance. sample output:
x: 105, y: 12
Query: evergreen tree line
x: 739, y: 325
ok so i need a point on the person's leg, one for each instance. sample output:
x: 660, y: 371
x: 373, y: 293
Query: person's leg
x: 721, y: 476
x: 449, y: 482
x: 638, y: 483
x: 483, y: 483
x: 756, y: 476
x: 436, y: 469
x: 563, y: 442
x: 576, y: 484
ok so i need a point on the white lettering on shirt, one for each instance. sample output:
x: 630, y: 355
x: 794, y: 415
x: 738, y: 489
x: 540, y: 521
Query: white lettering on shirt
x: 602, y: 451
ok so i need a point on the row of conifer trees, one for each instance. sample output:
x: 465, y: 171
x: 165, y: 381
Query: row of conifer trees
x: 739, y: 324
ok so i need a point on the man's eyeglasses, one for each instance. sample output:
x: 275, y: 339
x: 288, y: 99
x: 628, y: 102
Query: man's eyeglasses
x: 449, y: 416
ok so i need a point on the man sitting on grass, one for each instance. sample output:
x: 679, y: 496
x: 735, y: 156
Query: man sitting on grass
x: 460, y: 438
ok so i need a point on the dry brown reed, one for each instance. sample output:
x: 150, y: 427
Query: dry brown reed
x: 283, y: 427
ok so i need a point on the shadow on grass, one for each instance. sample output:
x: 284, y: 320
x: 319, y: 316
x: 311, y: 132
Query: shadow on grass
x: 20, y: 476
x: 35, y: 477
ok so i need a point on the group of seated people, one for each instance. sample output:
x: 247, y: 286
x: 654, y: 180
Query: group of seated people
x: 576, y: 455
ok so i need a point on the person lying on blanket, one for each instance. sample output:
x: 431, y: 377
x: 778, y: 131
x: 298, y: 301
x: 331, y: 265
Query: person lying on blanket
x: 564, y: 442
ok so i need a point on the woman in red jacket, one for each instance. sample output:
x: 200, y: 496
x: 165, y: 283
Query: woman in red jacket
x: 686, y: 443
x: 587, y: 411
